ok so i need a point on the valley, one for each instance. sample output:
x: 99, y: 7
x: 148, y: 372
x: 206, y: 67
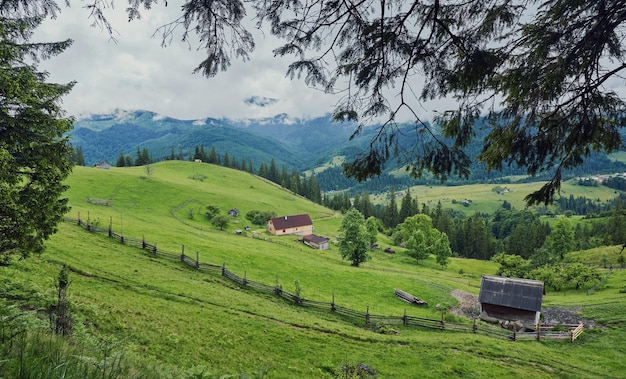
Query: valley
x: 169, y: 320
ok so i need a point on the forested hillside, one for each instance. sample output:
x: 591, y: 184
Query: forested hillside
x: 299, y: 145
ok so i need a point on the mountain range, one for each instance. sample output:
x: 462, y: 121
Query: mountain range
x: 300, y: 144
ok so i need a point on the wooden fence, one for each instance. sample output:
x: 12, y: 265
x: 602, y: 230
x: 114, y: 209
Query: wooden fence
x: 360, y: 318
x: 563, y: 332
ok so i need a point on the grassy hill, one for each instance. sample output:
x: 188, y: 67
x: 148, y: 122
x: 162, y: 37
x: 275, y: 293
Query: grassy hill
x: 174, y: 321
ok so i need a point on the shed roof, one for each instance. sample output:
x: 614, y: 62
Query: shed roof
x: 286, y: 222
x: 516, y: 293
x: 315, y: 238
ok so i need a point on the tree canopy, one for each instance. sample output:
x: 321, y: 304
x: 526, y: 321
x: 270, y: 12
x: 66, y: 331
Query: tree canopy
x: 355, y: 238
x: 541, y: 73
x: 35, y: 156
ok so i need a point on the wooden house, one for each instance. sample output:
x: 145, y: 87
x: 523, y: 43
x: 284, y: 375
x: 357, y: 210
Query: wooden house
x: 316, y: 242
x: 296, y: 224
x: 508, y: 299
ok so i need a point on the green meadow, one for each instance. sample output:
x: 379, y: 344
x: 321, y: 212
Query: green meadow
x: 485, y: 198
x: 172, y: 321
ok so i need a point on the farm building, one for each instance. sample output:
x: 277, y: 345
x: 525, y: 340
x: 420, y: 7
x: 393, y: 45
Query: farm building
x: 316, y: 242
x: 296, y: 224
x: 511, y: 299
x: 103, y: 165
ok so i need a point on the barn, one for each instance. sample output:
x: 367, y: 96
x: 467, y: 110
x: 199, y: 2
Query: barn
x: 511, y: 299
x: 316, y: 242
x: 297, y: 224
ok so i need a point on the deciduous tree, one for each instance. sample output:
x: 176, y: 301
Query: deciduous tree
x: 354, y: 240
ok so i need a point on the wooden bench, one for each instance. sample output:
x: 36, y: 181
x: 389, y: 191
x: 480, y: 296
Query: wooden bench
x: 407, y: 297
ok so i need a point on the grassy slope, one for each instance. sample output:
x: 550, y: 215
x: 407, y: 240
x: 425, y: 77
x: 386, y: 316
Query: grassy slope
x: 484, y: 199
x: 173, y: 316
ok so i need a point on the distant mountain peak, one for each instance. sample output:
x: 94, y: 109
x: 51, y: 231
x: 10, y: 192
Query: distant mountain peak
x: 260, y: 101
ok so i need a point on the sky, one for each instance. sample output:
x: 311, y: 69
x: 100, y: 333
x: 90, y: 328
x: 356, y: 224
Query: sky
x: 135, y: 72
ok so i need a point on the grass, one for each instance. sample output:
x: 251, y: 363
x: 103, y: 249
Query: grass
x: 173, y: 321
x: 484, y: 199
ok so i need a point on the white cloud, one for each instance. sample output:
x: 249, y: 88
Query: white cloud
x: 137, y: 73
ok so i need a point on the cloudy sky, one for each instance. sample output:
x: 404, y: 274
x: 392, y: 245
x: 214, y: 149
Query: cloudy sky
x: 135, y: 72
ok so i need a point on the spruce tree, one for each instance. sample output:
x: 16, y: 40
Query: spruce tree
x: 35, y: 154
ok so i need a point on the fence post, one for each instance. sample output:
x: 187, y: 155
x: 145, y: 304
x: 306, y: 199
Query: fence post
x: 277, y: 289
x: 367, y: 316
x: 143, y: 242
x: 539, y: 331
x: 404, y: 320
x: 441, y: 326
x: 245, y: 280
x: 182, y: 257
x: 197, y: 259
x: 475, y: 326
x: 78, y: 218
x: 332, y: 304
x: 88, y: 222
x: 110, y: 226
x: 154, y: 249
x: 223, y: 269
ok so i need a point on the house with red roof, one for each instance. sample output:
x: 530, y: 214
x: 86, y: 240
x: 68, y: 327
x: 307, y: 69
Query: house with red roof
x: 296, y: 224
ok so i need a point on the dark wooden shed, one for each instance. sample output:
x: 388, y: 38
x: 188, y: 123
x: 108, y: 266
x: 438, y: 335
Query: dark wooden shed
x: 511, y: 298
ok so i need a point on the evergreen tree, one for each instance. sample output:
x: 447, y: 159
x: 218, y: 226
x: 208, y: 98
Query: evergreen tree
x: 121, y: 160
x: 145, y: 157
x: 391, y: 218
x: 285, y: 179
x: 226, y: 161
x: 172, y: 155
x: 212, y: 157
x: 294, y: 183
x: 408, y: 207
x: 80, y: 156
x: 262, y: 172
x: 617, y: 225
x: 35, y: 154
x: 272, y: 173
x: 313, y: 190
x: 139, y: 160
x: 129, y: 161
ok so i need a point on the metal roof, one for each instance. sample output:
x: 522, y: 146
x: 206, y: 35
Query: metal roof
x: 315, y: 238
x: 294, y: 221
x: 516, y: 293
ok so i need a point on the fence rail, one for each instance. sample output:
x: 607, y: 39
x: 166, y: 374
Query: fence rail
x: 356, y: 316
